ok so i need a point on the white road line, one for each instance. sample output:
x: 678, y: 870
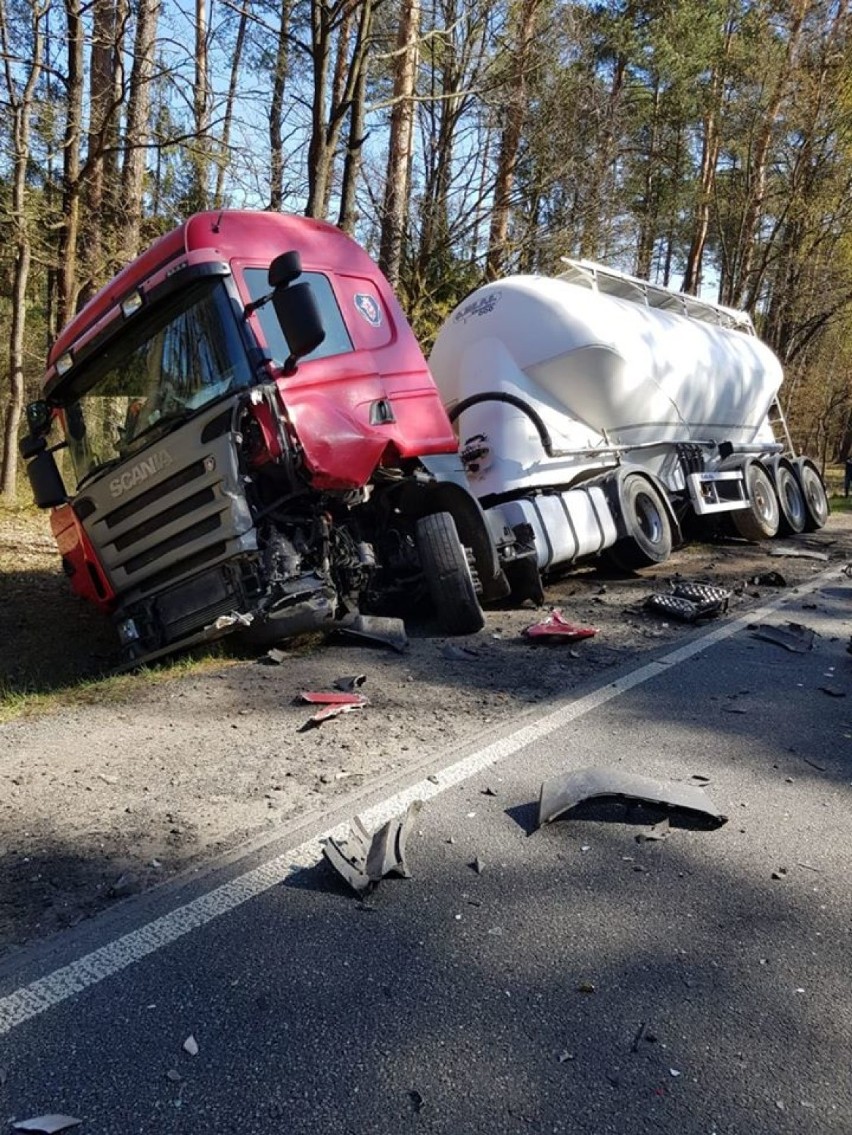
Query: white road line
x: 45, y: 992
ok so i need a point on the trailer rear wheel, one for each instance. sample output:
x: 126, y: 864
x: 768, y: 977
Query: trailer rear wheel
x: 794, y: 513
x: 761, y: 519
x: 813, y: 490
x: 649, y: 531
x: 447, y: 575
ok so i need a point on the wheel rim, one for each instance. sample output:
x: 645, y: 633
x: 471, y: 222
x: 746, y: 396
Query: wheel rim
x: 794, y: 499
x: 815, y: 495
x: 648, y: 516
x: 763, y: 499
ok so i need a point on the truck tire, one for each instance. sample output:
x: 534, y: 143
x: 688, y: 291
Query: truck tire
x: 447, y: 575
x: 817, y: 507
x: 791, y: 499
x: 761, y: 519
x: 649, y: 532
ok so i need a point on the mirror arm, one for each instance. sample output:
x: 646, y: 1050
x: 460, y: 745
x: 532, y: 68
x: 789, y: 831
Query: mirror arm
x: 252, y: 307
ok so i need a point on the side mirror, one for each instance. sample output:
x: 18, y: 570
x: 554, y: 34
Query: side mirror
x: 46, y: 480
x: 284, y: 269
x: 39, y: 418
x: 300, y: 320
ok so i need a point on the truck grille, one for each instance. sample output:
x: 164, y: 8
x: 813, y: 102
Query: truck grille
x: 187, y: 517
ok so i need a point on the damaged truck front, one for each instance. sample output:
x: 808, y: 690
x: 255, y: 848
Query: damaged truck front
x: 253, y: 440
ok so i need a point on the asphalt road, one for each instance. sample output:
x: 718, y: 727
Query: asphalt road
x: 580, y: 982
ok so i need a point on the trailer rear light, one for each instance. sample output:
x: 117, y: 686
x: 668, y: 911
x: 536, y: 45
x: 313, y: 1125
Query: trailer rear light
x: 127, y: 632
x: 131, y: 304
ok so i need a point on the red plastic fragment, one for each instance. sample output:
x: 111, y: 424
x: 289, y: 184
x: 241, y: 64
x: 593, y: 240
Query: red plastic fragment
x: 332, y: 698
x: 331, y: 704
x: 557, y: 626
x: 326, y: 712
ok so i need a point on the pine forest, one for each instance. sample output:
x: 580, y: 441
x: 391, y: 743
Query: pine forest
x: 702, y: 144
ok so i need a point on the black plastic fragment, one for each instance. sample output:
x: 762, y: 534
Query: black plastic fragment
x: 794, y: 637
x: 364, y: 859
x: 562, y: 793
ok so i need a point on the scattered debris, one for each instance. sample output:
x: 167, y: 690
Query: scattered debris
x: 769, y: 579
x: 124, y: 885
x: 350, y: 683
x: 236, y: 618
x: 417, y: 1100
x: 174, y: 1076
x: 565, y: 1056
x: 700, y: 779
x: 190, y: 1045
x: 557, y: 626
x: 478, y: 866
x: 332, y: 697
x: 798, y: 553
x: 794, y: 637
x: 364, y: 859
x: 326, y: 712
x: 586, y: 987
x: 702, y: 593
x: 488, y: 791
x: 458, y: 653
x: 833, y: 691
x: 275, y: 656
x: 331, y: 703
x: 656, y: 834
x: 562, y: 793
x: 780, y: 873
x: 689, y: 602
x: 374, y: 628
x: 48, y: 1124
x: 637, y: 1040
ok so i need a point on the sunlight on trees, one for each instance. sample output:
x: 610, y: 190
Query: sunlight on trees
x: 701, y: 143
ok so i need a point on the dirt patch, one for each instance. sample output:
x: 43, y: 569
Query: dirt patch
x: 103, y: 799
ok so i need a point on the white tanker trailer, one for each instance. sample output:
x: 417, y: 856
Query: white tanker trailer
x: 599, y: 413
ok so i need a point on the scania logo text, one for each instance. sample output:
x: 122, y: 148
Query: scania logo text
x: 140, y: 472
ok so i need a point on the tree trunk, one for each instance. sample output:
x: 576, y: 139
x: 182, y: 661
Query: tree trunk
x: 101, y: 169
x: 276, y: 110
x: 330, y: 108
x: 138, y: 129
x: 225, y: 141
x: 69, y: 230
x: 352, y: 161
x: 648, y: 224
x: 318, y: 159
x: 395, y: 207
x: 21, y: 106
x: 510, y: 140
x: 200, y: 156
x: 738, y: 287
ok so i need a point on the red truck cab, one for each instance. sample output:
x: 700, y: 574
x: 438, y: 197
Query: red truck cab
x: 252, y: 428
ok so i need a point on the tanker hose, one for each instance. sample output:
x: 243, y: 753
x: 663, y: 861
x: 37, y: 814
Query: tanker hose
x: 518, y: 403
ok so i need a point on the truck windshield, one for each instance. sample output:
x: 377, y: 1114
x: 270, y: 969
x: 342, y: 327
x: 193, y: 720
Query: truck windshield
x: 159, y: 371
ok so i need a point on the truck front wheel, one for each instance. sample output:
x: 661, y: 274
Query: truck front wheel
x: 649, y: 531
x: 761, y: 519
x: 447, y: 575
